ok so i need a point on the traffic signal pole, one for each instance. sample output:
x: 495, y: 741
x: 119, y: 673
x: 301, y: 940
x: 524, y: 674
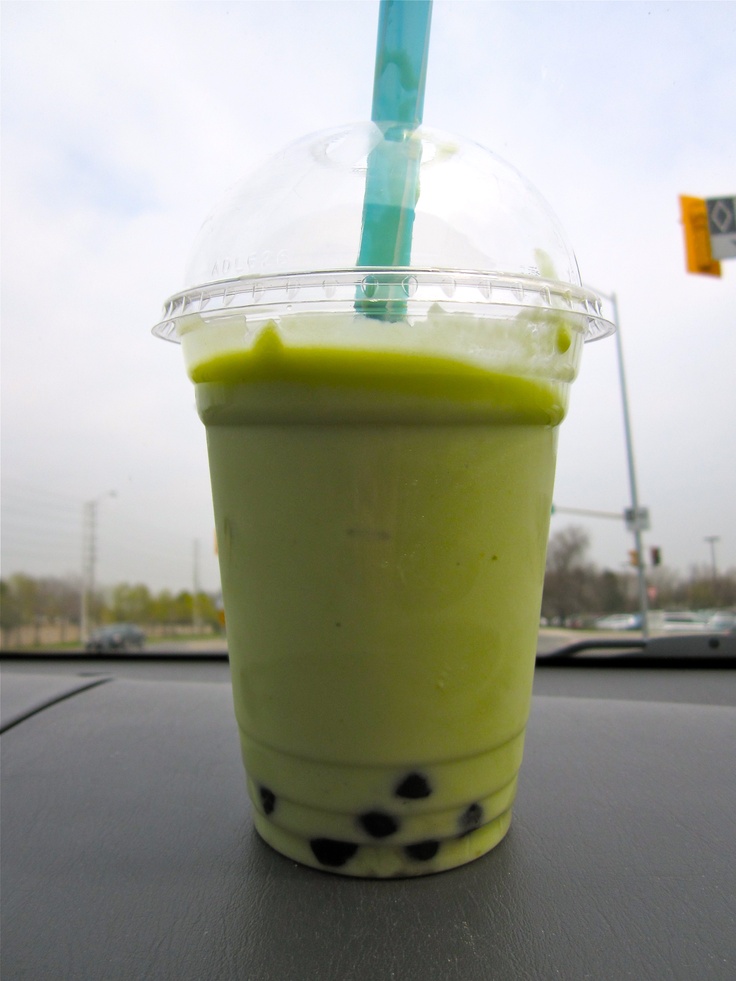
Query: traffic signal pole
x: 643, y: 599
x: 637, y: 519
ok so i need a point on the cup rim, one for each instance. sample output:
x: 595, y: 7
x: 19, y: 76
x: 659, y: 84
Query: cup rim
x: 404, y: 291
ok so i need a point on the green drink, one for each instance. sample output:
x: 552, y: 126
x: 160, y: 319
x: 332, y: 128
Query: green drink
x: 382, y: 523
x: 382, y: 452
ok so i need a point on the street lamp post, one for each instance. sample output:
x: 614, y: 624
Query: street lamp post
x: 637, y: 520
x: 89, y: 556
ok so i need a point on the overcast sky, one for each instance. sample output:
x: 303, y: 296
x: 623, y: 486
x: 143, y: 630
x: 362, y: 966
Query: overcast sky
x: 123, y: 123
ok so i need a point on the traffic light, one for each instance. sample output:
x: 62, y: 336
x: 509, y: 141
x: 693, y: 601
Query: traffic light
x: 656, y: 555
x: 694, y: 217
x: 633, y: 557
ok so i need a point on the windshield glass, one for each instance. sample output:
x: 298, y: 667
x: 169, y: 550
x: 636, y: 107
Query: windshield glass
x: 122, y: 126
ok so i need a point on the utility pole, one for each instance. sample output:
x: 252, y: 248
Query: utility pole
x: 88, y: 547
x: 195, y: 583
x: 712, y: 539
x: 89, y: 557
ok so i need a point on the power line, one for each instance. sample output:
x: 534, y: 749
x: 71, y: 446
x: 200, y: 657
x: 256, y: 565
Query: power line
x: 25, y: 489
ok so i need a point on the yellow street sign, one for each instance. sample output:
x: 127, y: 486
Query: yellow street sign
x: 694, y: 217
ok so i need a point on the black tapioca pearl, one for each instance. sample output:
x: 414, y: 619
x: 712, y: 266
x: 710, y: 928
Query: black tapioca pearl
x: 470, y: 819
x: 414, y: 786
x: 327, y: 851
x: 422, y: 851
x: 378, y: 824
x: 268, y: 799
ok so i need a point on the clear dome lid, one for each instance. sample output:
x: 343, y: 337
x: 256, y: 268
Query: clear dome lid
x: 293, y: 230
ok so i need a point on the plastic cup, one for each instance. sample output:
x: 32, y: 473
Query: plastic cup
x: 382, y: 451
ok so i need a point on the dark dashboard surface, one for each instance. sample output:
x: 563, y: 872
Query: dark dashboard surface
x: 128, y: 850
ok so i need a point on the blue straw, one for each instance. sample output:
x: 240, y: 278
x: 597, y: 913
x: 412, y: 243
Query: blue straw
x: 392, y: 180
x: 401, y: 62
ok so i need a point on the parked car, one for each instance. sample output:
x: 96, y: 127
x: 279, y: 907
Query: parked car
x: 682, y: 621
x: 722, y: 622
x: 116, y: 637
x: 620, y: 621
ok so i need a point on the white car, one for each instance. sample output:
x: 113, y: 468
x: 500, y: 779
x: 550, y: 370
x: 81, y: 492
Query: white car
x: 677, y: 621
x: 723, y: 622
x: 620, y: 621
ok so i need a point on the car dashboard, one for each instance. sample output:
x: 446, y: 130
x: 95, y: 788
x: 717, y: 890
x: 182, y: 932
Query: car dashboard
x: 128, y: 849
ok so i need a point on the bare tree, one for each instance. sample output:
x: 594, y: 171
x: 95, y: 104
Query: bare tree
x: 569, y: 580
